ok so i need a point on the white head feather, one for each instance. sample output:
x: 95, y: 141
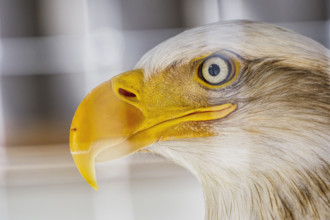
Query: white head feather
x: 270, y: 158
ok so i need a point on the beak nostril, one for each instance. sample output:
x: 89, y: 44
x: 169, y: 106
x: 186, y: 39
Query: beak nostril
x: 126, y: 93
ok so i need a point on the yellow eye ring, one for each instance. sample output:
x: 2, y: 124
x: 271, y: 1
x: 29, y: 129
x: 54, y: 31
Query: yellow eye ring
x: 217, y: 71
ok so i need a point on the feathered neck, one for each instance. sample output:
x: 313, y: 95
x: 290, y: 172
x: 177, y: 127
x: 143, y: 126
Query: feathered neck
x: 289, y: 194
x: 240, y: 191
x: 247, y: 174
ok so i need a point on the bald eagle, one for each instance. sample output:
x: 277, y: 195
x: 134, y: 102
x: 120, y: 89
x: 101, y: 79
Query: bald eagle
x: 244, y: 106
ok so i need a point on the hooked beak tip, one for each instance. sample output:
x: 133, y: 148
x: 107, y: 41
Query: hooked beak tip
x: 86, y: 166
x: 94, y: 185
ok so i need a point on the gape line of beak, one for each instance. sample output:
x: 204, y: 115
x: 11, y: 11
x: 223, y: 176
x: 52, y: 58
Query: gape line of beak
x: 106, y: 127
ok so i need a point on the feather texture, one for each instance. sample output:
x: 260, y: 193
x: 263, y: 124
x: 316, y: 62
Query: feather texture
x: 270, y: 159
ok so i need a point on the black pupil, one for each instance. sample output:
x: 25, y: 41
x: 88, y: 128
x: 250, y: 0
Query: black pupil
x: 214, y: 70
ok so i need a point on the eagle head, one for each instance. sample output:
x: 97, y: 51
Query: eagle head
x: 244, y: 106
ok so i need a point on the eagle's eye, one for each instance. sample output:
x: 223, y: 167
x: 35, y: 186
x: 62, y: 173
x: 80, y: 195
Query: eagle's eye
x: 216, y: 70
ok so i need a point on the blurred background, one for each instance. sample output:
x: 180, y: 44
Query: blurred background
x: 52, y: 52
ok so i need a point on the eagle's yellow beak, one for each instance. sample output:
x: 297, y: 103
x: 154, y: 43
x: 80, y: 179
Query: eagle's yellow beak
x: 117, y: 119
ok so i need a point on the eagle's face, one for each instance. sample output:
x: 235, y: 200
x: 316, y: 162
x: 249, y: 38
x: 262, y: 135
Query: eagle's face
x: 278, y: 82
x: 229, y: 101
